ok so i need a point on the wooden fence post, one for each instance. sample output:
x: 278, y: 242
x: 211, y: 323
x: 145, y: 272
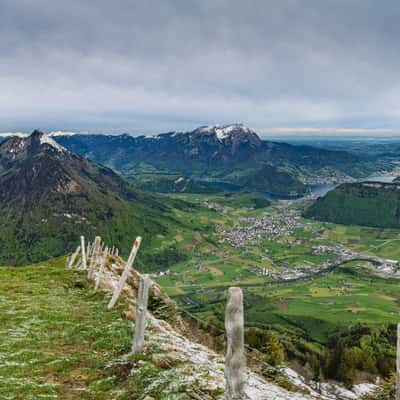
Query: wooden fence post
x: 398, y: 364
x: 89, y: 253
x: 95, y: 255
x: 125, y: 273
x: 141, y: 314
x: 88, y: 250
x: 235, y: 361
x: 73, y: 257
x: 101, y: 271
x: 84, y: 261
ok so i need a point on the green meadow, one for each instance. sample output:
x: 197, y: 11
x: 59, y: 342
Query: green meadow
x: 314, y: 308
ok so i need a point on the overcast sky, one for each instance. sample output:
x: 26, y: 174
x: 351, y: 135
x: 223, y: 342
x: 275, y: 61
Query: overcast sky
x: 278, y: 66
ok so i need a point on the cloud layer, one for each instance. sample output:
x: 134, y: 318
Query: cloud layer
x: 159, y: 65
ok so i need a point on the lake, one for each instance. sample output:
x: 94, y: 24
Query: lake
x: 321, y: 190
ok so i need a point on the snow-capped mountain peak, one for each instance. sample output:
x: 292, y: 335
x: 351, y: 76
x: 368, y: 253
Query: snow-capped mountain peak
x: 18, y: 144
x: 232, y: 133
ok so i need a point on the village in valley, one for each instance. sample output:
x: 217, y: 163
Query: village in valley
x: 281, y: 227
x: 273, y: 244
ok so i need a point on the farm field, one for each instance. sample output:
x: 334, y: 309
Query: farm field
x: 315, y: 308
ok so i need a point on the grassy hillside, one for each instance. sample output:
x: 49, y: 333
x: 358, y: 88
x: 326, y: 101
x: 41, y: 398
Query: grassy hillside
x: 170, y: 183
x: 269, y: 179
x: 369, y: 204
x: 58, y: 341
x: 51, y: 231
x: 240, y: 200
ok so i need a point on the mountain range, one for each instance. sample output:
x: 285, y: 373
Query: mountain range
x: 225, y: 155
x: 49, y: 196
x: 232, y: 154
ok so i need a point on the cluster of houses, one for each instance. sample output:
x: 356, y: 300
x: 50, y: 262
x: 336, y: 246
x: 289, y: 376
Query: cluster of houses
x: 342, y: 252
x: 383, y: 266
x: 267, y: 227
x: 217, y: 207
x: 161, y: 273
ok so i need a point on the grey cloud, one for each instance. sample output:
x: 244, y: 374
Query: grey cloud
x: 151, y: 65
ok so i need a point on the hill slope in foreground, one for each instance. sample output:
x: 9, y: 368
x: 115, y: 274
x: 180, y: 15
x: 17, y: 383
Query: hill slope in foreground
x: 373, y: 204
x: 60, y: 342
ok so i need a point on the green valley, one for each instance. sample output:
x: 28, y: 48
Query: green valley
x: 312, y: 282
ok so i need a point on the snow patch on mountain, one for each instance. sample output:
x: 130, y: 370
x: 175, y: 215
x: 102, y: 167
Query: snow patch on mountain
x: 16, y: 134
x: 63, y: 133
x: 46, y: 139
x: 16, y: 147
x: 50, y: 134
x: 225, y: 131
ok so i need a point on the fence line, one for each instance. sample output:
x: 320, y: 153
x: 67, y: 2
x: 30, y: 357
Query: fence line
x: 247, y: 346
x: 250, y: 350
x: 125, y: 273
x: 234, y: 321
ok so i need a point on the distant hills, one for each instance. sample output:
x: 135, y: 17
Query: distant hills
x: 49, y: 196
x: 232, y: 154
x: 172, y: 183
x: 373, y: 204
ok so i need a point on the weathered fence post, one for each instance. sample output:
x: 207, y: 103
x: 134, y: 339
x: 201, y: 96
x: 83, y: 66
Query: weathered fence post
x: 84, y: 261
x: 398, y: 364
x: 88, y: 250
x: 141, y: 314
x: 73, y: 257
x: 125, y: 273
x: 235, y: 361
x: 95, y: 255
x: 101, y: 271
